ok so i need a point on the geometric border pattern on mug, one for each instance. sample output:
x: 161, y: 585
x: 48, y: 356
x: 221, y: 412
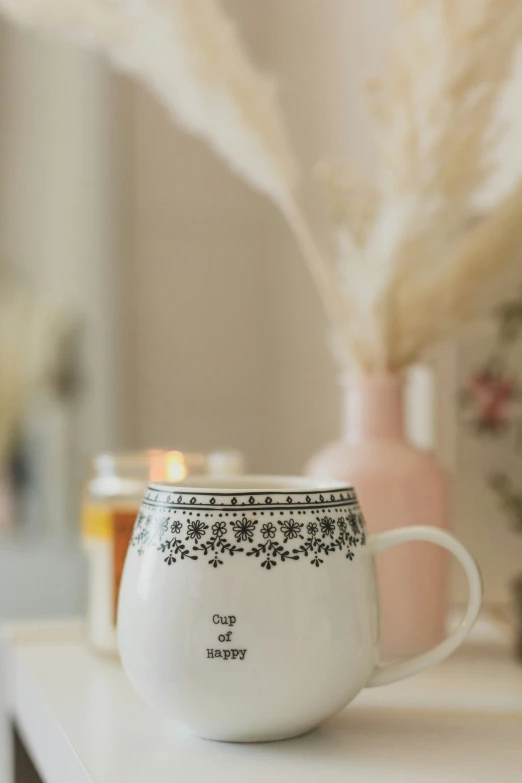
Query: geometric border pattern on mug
x: 269, y: 528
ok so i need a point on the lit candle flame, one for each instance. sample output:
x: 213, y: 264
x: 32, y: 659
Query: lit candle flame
x: 176, y: 467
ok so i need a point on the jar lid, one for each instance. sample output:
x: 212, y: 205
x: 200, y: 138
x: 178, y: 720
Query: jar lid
x: 127, y: 462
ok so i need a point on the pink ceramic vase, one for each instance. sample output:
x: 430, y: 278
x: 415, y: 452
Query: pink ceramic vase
x: 397, y: 485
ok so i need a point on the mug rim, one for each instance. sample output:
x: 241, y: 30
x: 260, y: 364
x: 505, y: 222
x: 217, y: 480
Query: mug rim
x: 250, y: 484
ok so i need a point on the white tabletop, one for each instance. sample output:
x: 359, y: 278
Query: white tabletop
x: 82, y: 723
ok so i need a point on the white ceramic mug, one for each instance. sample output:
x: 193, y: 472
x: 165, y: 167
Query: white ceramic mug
x: 248, y: 608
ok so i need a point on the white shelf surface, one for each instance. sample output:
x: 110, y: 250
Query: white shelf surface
x: 82, y: 723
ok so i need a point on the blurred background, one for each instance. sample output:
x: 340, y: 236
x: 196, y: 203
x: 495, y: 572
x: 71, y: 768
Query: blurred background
x: 159, y: 302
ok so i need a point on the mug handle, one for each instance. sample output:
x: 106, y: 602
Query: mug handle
x: 383, y: 675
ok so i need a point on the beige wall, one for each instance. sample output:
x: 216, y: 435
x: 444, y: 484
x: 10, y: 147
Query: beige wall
x: 200, y: 251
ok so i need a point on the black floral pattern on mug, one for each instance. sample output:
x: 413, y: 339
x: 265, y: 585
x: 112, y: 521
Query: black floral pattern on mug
x: 301, y: 535
x: 196, y: 529
x: 268, y: 530
x: 244, y: 529
x: 175, y: 549
x: 327, y: 526
x: 219, y: 529
x: 291, y: 529
x: 161, y: 526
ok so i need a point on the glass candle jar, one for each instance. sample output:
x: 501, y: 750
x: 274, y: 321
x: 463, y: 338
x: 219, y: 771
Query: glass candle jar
x: 111, y: 500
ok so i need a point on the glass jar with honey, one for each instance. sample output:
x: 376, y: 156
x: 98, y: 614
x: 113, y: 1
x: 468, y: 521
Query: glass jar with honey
x: 111, y: 501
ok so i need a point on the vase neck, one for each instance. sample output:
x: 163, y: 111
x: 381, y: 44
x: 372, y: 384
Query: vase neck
x: 373, y: 407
